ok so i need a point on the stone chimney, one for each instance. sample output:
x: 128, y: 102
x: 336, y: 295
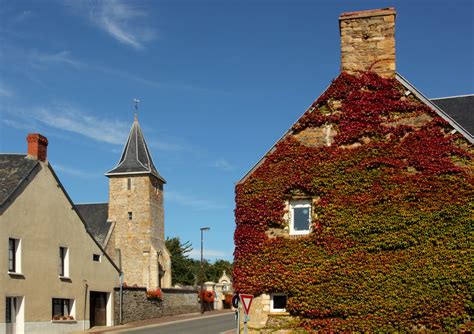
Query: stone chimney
x: 368, y: 41
x: 37, y: 146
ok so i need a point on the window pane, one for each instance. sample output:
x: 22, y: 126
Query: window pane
x: 62, y: 254
x: 8, y: 315
x: 11, y: 255
x: 57, y: 307
x: 279, y: 302
x: 301, y: 219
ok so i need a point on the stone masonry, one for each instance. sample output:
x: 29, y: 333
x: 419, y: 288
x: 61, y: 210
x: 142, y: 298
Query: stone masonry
x: 368, y: 41
x: 139, y: 229
x: 137, y: 307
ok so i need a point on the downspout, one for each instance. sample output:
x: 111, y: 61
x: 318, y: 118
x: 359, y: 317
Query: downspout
x: 86, y: 287
x: 121, y: 298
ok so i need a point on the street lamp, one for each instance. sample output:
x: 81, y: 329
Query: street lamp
x: 202, y: 268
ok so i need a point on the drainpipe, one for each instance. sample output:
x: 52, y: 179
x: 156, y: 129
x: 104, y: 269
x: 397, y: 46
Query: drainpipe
x: 86, y: 287
x: 121, y: 298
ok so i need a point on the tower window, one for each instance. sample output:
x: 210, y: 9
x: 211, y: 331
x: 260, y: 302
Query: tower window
x: 129, y: 183
x: 130, y: 215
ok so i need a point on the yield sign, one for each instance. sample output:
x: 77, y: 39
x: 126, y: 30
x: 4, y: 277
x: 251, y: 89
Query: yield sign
x: 246, y: 301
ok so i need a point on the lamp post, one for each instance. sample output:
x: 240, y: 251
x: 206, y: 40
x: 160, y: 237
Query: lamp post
x: 202, y: 267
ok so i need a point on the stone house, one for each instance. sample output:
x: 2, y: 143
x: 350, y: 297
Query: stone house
x: 222, y: 289
x: 55, y: 276
x: 131, y: 226
x: 358, y: 218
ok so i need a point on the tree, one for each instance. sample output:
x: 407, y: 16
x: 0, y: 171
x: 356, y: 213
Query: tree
x: 186, y: 271
x: 183, y: 269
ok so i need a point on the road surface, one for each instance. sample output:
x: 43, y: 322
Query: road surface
x: 211, y: 325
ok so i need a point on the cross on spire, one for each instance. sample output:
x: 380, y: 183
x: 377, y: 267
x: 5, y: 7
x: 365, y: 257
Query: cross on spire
x: 136, y: 102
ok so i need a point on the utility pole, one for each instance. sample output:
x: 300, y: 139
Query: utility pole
x: 202, y: 268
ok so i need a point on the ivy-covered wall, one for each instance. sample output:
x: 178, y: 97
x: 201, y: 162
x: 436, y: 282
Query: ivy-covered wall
x: 392, y: 228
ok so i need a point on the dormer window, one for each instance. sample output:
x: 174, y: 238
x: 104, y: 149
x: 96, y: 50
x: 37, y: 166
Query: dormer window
x: 300, y: 217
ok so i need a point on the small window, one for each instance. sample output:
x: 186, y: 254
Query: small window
x: 300, y: 220
x: 130, y: 215
x: 129, y: 183
x: 278, y: 302
x: 62, y: 308
x: 96, y: 257
x: 10, y: 308
x: 63, y: 262
x: 14, y: 255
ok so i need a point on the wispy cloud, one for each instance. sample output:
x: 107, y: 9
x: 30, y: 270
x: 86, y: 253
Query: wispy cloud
x: 209, y: 253
x: 199, y: 204
x: 42, y: 60
x: 5, y: 91
x: 223, y: 164
x: 24, y: 15
x: 76, y: 172
x: 68, y: 118
x: 117, y: 18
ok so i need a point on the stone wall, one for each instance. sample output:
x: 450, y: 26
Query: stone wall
x: 180, y: 301
x: 368, y: 41
x: 136, y: 306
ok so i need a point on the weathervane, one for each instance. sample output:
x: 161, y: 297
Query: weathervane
x: 136, y: 102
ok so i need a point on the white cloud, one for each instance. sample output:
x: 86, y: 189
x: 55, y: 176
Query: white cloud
x: 23, y: 16
x: 5, y: 91
x: 41, y: 60
x: 223, y: 164
x: 67, y: 118
x: 198, y: 204
x: 117, y: 18
x: 76, y: 172
x: 209, y: 253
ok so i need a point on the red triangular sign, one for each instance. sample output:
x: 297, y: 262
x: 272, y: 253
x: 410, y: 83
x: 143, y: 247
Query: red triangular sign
x: 246, y: 301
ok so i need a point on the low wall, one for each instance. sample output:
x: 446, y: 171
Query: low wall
x: 180, y: 301
x: 136, y: 306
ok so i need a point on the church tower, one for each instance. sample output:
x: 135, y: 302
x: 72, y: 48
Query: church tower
x: 136, y: 208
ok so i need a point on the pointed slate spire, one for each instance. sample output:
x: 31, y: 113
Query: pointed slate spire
x: 136, y: 158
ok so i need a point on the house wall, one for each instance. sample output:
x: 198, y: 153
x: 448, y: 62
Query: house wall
x: 43, y: 218
x: 141, y: 239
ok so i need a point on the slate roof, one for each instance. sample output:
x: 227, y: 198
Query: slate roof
x: 136, y: 158
x: 95, y: 217
x: 460, y: 108
x: 14, y: 169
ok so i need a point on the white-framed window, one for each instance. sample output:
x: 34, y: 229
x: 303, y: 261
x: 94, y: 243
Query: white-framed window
x: 278, y: 302
x: 62, y: 309
x: 14, y: 255
x: 300, y: 217
x: 96, y: 257
x: 63, y: 261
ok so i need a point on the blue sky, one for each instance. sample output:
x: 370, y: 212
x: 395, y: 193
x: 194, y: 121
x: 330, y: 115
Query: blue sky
x: 219, y: 82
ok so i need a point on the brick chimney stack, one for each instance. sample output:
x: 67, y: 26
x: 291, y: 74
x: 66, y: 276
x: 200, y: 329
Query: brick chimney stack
x: 37, y: 146
x: 368, y: 41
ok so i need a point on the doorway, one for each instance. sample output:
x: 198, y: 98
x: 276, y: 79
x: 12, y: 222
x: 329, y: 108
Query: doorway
x: 98, y: 308
x: 14, y: 315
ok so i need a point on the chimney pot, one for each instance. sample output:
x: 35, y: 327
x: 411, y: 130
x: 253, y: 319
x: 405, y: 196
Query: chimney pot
x: 368, y: 41
x: 37, y: 146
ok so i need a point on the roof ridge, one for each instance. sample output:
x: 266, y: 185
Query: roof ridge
x: 450, y: 97
x: 91, y: 203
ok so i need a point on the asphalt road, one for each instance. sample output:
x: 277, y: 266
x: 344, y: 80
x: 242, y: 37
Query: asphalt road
x: 211, y: 325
